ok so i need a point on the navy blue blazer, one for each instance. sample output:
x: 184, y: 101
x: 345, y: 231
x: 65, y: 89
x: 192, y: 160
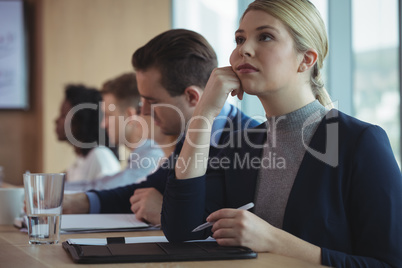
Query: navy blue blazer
x: 117, y: 200
x: 346, y: 197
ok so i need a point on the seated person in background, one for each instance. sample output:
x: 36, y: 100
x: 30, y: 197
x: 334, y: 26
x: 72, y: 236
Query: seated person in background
x: 326, y: 186
x: 80, y: 127
x: 172, y: 70
x: 125, y: 126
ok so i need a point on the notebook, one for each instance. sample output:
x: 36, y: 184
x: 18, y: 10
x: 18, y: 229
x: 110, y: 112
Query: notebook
x: 117, y: 251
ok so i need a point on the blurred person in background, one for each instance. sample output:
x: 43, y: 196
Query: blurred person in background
x: 79, y: 124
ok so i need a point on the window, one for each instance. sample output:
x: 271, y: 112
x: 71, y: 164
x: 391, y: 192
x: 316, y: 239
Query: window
x: 376, y: 94
x: 215, y: 20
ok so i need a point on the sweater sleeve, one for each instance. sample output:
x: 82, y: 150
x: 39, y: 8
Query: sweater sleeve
x: 187, y: 203
x: 183, y: 208
x: 375, y: 206
x: 339, y: 259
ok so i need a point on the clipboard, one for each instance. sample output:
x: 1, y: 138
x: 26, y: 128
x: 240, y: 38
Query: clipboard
x: 117, y: 251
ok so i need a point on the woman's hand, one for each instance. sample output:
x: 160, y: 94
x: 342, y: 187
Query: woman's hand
x: 235, y: 227
x: 196, y: 145
x: 222, y: 82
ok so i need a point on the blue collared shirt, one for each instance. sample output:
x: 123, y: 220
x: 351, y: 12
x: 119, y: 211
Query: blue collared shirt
x: 220, y: 122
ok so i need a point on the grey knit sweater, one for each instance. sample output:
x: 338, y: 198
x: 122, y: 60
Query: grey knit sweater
x: 282, y: 155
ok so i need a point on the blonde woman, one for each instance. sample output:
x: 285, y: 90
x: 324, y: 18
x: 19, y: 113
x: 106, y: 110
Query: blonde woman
x: 326, y: 186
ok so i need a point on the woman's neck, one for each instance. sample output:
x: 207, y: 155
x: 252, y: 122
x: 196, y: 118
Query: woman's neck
x: 285, y: 101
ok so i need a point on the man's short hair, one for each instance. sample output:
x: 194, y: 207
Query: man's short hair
x: 183, y: 57
x: 124, y: 89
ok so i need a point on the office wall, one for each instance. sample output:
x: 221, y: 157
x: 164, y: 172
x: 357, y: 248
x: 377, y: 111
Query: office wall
x: 75, y: 41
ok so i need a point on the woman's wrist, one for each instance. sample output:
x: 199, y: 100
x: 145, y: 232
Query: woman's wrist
x: 283, y: 243
x: 273, y: 239
x: 205, y: 113
x: 210, y: 106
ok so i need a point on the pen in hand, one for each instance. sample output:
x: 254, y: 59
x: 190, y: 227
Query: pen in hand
x: 208, y: 224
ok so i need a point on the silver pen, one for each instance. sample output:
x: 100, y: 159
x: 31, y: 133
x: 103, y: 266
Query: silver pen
x: 207, y: 224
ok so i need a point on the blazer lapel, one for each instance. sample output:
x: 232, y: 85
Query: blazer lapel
x: 241, y: 180
x: 309, y: 179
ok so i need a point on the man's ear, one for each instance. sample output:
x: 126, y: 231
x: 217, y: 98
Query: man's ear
x: 192, y: 95
x: 309, y: 59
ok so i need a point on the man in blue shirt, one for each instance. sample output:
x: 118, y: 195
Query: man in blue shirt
x: 172, y: 70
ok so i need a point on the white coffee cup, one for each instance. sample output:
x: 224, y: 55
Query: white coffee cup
x: 11, y: 204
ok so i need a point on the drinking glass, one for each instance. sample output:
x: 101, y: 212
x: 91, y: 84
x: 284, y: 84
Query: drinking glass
x: 43, y: 201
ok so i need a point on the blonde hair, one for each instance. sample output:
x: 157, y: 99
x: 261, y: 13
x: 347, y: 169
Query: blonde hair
x: 308, y: 31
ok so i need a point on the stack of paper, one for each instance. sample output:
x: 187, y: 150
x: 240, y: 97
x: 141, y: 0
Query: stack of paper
x: 101, y: 223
